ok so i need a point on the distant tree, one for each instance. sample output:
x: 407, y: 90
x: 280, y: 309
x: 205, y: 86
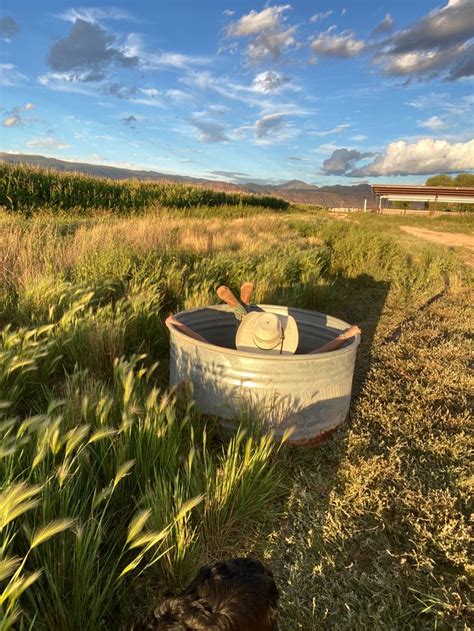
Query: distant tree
x: 439, y: 180
x: 464, y: 179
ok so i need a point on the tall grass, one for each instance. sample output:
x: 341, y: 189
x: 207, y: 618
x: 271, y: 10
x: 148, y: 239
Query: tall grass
x: 112, y: 481
x: 111, y: 487
x: 26, y: 189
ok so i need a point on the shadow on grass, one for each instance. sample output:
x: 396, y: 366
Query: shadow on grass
x: 360, y: 300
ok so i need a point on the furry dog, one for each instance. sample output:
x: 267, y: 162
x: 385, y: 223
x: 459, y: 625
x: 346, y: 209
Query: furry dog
x: 233, y: 595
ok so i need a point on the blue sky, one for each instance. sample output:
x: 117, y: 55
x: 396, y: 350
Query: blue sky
x: 332, y: 92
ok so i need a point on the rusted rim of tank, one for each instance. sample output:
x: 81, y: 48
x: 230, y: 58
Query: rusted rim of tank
x: 270, y: 358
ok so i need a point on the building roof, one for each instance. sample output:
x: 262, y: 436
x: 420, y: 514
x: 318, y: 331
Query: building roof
x: 439, y: 191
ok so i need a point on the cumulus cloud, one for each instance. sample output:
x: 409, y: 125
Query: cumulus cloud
x: 429, y: 64
x: 268, y: 82
x: 8, y: 27
x: 12, y: 121
x: 317, y: 17
x: 434, y: 122
x: 436, y: 45
x: 47, y: 142
x: 13, y: 118
x: 424, y: 157
x: 270, y: 37
x: 332, y: 44
x: 270, y: 45
x: 257, y: 21
x: 87, y: 52
x: 342, y: 160
x: 385, y: 26
x: 446, y: 26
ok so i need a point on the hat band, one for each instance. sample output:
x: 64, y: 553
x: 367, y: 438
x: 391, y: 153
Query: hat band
x: 267, y: 344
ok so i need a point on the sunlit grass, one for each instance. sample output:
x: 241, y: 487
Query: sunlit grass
x: 113, y: 489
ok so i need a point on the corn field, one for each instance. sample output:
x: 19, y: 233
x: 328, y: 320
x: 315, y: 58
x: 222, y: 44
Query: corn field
x: 26, y: 189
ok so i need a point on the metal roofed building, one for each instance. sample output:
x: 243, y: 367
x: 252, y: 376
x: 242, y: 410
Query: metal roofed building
x: 410, y: 193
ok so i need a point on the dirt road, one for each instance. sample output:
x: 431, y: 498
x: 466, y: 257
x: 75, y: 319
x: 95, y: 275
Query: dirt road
x: 443, y: 238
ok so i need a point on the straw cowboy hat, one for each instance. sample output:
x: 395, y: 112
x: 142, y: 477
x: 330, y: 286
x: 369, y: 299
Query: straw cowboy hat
x: 270, y: 333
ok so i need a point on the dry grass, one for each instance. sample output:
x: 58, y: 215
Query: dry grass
x: 376, y: 533
x: 39, y: 248
x: 373, y: 531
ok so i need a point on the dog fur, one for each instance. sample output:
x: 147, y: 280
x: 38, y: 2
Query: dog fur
x: 233, y: 595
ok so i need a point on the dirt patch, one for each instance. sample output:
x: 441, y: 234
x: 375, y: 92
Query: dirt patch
x: 443, y: 238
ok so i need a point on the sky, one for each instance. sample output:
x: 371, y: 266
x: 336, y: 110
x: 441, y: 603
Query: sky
x: 328, y: 92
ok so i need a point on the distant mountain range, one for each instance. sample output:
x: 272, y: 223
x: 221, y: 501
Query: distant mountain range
x: 293, y: 191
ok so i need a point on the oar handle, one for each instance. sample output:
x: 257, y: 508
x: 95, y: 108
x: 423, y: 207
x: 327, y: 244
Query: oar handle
x: 338, y: 341
x: 246, y: 292
x: 171, y: 321
x: 227, y: 296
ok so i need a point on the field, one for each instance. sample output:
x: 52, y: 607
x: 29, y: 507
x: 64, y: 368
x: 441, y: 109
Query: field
x: 113, y: 490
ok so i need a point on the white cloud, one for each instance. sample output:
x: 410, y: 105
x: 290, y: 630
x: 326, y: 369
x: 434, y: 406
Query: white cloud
x: 429, y: 63
x: 334, y: 44
x: 229, y: 13
x: 210, y: 130
x: 424, y: 157
x: 257, y: 21
x: 439, y: 44
x: 268, y: 82
x: 335, y: 130
x: 47, y: 142
x: 12, y: 121
x: 63, y: 82
x: 10, y: 76
x: 359, y: 137
x: 134, y: 47
x: 434, y: 122
x: 268, y: 129
x: 179, y: 96
x: 342, y: 160
x: 317, y: 17
x: 30, y: 106
x: 270, y: 36
x: 93, y: 14
x: 268, y: 123
x: 270, y: 45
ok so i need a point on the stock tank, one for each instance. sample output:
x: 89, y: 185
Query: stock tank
x: 309, y: 393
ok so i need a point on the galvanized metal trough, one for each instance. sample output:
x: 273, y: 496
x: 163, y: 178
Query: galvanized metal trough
x: 309, y: 393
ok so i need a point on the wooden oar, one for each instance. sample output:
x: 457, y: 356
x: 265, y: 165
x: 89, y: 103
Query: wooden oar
x: 246, y: 291
x: 171, y: 321
x: 226, y: 295
x: 338, y: 341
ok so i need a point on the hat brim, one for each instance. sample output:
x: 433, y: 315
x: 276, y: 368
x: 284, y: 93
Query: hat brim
x: 244, y: 339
